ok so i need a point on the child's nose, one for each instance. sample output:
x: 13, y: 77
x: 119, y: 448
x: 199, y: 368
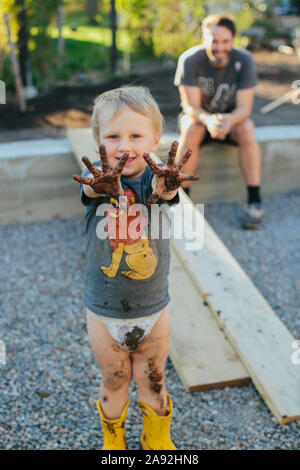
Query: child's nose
x: 124, y: 145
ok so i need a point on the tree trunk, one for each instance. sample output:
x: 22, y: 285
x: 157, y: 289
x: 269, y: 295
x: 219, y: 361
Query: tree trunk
x: 113, y: 26
x: 23, y: 44
x: 15, y: 67
x: 60, y: 23
x: 92, y: 10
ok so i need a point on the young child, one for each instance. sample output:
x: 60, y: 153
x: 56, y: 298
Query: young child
x: 126, y: 292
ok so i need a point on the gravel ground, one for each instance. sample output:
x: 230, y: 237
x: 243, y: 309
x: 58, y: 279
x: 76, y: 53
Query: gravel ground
x: 50, y: 383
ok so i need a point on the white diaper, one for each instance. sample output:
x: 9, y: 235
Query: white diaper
x: 129, y: 332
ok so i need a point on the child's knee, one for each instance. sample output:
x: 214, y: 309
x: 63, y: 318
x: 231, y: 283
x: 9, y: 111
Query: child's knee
x: 116, y: 378
x: 149, y: 373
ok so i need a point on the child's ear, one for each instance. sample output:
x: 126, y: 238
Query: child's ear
x: 156, y: 143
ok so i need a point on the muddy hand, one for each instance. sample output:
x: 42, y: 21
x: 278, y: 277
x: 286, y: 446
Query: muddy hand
x: 169, y: 176
x: 106, y: 181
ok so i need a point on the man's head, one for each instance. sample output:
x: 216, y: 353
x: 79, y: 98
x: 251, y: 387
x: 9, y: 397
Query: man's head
x: 127, y: 119
x: 218, y: 36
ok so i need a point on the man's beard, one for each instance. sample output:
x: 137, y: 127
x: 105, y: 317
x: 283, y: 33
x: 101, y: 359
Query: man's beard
x: 220, y: 60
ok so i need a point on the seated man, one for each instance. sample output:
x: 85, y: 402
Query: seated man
x: 216, y: 84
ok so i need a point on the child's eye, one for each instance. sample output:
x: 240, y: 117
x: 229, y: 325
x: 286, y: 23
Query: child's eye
x: 113, y: 136
x: 136, y: 135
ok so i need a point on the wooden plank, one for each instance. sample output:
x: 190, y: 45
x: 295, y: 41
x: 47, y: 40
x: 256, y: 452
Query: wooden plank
x: 83, y: 145
x: 261, y: 340
x: 278, y: 102
x: 202, y: 356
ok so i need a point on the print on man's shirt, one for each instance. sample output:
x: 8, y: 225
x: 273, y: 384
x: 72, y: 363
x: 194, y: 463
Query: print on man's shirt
x: 140, y: 257
x: 215, y: 101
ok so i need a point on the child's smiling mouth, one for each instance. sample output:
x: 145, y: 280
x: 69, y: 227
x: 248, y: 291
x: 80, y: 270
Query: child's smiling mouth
x: 130, y: 160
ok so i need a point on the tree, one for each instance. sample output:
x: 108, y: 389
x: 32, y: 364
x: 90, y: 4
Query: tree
x: 113, y: 25
x: 179, y: 31
x: 23, y: 43
x: 138, y: 17
x: 160, y: 27
x: 60, y: 22
x: 92, y: 10
x: 40, y: 16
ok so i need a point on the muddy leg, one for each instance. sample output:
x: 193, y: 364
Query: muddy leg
x: 148, y: 365
x: 115, y: 366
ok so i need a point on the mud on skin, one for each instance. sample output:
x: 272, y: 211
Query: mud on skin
x: 106, y: 181
x: 114, y: 376
x: 133, y: 337
x: 155, y: 376
x: 169, y: 177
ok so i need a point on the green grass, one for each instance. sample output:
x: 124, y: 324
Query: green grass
x: 79, y: 18
x: 92, y: 34
x: 82, y: 56
x: 86, y: 49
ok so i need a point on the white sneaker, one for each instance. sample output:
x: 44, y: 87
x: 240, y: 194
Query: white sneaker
x: 253, y: 216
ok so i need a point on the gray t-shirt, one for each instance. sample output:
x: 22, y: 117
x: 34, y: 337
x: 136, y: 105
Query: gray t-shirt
x: 125, y: 279
x: 218, y: 85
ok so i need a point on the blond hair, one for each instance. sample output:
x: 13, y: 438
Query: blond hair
x: 137, y: 98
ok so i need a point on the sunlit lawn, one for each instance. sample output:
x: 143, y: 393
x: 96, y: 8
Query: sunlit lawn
x: 87, y: 48
x: 93, y: 34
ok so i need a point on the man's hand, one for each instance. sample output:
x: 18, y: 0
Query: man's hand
x: 224, y: 127
x: 107, y: 181
x: 212, y: 124
x: 218, y: 125
x: 168, y: 177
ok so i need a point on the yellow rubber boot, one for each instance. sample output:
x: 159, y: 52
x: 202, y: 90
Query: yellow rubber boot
x: 114, y: 430
x: 156, y: 433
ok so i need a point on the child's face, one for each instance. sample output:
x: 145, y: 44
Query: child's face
x: 128, y: 132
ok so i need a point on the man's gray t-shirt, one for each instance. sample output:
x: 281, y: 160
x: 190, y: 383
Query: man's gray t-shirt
x: 125, y: 278
x: 218, y: 85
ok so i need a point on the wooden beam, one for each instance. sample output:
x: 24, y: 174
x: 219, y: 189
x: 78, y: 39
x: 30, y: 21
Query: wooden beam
x: 83, y: 145
x: 286, y: 97
x: 202, y: 356
x: 259, y: 337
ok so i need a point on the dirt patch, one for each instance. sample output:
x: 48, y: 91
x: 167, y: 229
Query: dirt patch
x: 133, y: 337
x: 155, y: 376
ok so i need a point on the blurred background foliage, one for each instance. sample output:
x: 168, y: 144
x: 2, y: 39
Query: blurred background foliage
x: 147, y: 29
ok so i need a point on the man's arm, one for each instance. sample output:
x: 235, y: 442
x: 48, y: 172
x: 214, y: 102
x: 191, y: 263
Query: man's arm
x: 244, y: 105
x: 191, y: 103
